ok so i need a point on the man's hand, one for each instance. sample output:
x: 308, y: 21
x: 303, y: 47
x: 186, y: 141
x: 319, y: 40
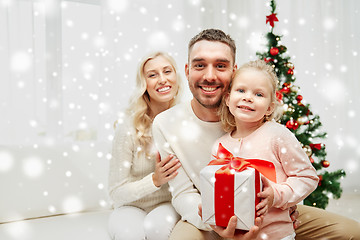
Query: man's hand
x: 231, y: 232
x: 294, y: 214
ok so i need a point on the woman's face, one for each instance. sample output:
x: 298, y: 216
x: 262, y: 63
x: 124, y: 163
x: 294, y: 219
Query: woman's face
x: 161, y: 80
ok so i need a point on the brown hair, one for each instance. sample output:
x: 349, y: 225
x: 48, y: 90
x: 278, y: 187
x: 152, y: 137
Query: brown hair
x: 214, y: 35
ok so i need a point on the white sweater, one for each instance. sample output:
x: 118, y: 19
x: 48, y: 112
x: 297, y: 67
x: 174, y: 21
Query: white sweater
x: 180, y: 132
x: 130, y: 175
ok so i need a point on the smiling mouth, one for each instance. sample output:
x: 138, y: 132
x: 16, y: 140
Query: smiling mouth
x: 209, y: 89
x: 246, y: 108
x: 163, y: 89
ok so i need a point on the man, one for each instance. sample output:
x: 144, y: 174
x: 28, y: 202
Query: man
x: 189, y: 130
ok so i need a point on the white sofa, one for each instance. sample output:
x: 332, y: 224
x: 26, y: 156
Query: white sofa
x: 54, y: 192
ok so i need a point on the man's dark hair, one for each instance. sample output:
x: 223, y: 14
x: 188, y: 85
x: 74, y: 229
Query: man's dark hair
x: 216, y: 35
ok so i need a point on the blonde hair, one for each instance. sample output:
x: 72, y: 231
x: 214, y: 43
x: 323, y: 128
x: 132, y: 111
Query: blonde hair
x: 139, y: 107
x: 227, y: 119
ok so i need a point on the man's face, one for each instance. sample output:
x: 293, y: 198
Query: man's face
x: 209, y: 72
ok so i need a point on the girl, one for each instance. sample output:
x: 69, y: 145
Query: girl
x: 247, y: 112
x: 138, y: 177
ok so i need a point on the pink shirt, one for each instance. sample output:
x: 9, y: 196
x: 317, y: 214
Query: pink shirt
x: 296, y: 178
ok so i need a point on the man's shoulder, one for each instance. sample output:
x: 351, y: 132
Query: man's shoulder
x: 175, y: 112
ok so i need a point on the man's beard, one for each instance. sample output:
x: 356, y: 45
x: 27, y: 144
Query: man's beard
x: 198, y: 96
x: 209, y: 106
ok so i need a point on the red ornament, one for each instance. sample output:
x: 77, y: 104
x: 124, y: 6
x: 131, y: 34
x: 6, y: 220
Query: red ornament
x: 285, y: 90
x: 290, y: 72
x: 316, y: 146
x: 299, y: 98
x: 325, y: 163
x: 286, y: 84
x: 274, y: 51
x: 279, y: 96
x: 267, y: 60
x: 271, y: 19
x: 320, y: 179
x: 291, y: 124
x: 312, y: 160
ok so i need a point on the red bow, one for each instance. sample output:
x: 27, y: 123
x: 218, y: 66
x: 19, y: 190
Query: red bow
x: 271, y: 19
x: 224, y: 157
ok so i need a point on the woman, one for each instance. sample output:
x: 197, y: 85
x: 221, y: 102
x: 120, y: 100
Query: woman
x: 138, y: 177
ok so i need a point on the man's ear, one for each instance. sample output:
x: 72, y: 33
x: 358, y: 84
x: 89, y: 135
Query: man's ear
x: 235, y: 68
x: 187, y: 71
x: 227, y: 97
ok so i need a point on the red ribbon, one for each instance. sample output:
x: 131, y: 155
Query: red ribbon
x: 224, y: 184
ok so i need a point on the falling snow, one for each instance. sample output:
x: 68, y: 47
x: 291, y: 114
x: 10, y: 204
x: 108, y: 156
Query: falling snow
x: 64, y: 84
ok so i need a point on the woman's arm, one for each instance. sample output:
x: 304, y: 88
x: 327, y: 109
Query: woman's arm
x: 122, y: 189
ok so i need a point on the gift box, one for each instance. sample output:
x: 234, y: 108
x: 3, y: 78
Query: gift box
x: 233, y: 198
x: 229, y: 186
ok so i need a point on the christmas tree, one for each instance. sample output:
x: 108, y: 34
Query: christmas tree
x: 299, y: 119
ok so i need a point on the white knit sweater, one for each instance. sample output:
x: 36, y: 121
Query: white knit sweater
x: 130, y: 174
x: 180, y: 132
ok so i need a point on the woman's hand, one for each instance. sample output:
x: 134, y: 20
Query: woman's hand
x: 231, y: 232
x: 165, y: 169
x: 267, y: 198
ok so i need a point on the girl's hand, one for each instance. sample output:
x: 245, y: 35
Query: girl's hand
x: 267, y: 198
x: 165, y: 169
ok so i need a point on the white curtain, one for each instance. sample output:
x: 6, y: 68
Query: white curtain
x: 68, y: 67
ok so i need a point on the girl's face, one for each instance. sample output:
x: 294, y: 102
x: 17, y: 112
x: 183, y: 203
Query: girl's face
x: 161, y: 80
x: 250, y: 97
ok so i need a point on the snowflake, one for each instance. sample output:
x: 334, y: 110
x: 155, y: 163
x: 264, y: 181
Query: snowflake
x: 72, y: 204
x: 20, y: 61
x: 7, y: 161
x: 243, y: 22
x: 158, y: 40
x: 351, y: 113
x: 117, y: 6
x: 178, y: 25
x: 329, y: 23
x: 33, y: 167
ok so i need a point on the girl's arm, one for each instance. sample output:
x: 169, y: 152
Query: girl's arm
x: 301, y: 179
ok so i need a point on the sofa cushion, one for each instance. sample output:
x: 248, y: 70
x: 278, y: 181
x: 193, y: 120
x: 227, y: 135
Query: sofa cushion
x: 88, y: 225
